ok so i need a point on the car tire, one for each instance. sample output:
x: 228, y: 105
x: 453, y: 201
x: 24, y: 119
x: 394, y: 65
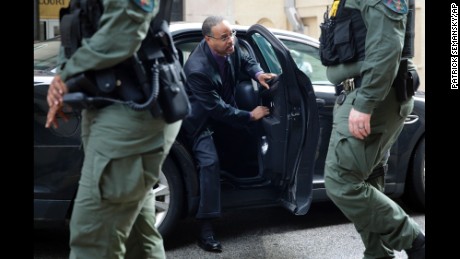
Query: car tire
x: 169, y: 194
x: 414, y: 193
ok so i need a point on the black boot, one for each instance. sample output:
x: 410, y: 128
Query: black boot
x: 207, y: 240
x: 417, y: 251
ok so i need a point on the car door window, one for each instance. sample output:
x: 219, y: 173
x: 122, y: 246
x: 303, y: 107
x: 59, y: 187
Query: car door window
x: 268, y: 54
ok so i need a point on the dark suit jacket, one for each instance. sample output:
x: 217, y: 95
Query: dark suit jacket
x: 204, y: 87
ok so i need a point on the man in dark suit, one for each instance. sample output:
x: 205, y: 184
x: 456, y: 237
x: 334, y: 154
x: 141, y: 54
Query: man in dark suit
x: 213, y: 70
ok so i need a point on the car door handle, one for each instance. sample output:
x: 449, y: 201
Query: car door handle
x: 320, y: 102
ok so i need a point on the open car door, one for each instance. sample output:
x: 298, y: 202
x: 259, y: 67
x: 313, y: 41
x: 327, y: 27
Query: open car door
x: 292, y: 128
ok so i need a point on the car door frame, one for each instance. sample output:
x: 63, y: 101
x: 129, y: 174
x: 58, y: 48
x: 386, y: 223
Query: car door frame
x: 295, y: 128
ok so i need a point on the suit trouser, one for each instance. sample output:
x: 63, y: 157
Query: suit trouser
x: 124, y: 151
x: 206, y: 156
x: 382, y: 224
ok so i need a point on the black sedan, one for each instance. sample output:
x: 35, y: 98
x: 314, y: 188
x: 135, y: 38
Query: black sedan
x: 282, y: 164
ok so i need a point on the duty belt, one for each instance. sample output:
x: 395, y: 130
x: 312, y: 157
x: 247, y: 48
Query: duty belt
x: 351, y: 84
x: 346, y: 87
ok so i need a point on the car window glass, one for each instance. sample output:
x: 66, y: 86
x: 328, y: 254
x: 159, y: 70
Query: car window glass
x: 45, y: 55
x: 308, y: 61
x: 185, y: 49
x: 268, y: 54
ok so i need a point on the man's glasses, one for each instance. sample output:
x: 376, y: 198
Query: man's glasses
x: 224, y: 38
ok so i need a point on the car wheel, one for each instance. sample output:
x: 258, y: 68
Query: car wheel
x: 169, y: 194
x: 415, y: 183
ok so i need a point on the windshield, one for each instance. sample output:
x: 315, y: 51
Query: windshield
x: 45, y: 55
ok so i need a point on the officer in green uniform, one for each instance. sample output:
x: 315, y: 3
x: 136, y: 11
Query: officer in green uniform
x: 124, y: 148
x: 366, y: 124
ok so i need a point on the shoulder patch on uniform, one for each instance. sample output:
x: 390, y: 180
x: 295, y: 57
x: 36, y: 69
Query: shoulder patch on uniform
x: 146, y: 5
x: 398, y: 6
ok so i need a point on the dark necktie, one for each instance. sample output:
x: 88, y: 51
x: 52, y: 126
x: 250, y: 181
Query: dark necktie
x: 227, y: 83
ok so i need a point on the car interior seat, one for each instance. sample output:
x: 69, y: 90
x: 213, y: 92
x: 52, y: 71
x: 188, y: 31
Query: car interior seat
x: 246, y: 95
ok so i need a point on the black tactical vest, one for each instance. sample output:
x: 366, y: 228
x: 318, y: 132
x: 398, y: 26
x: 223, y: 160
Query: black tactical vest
x: 351, y: 24
x: 79, y: 20
x: 353, y: 19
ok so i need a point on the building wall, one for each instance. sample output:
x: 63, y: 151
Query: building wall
x: 48, y: 13
x: 268, y: 13
x: 198, y: 10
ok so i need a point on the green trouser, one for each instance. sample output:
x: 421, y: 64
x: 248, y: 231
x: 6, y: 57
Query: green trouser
x: 124, y: 151
x: 145, y: 241
x: 382, y: 224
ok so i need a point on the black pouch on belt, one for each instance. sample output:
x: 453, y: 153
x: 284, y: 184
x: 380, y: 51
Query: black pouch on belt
x: 403, y: 89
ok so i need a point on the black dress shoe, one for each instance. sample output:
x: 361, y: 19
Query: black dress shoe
x: 210, y: 244
x: 417, y: 251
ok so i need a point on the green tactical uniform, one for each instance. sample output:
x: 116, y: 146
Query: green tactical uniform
x: 124, y: 149
x: 382, y: 224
